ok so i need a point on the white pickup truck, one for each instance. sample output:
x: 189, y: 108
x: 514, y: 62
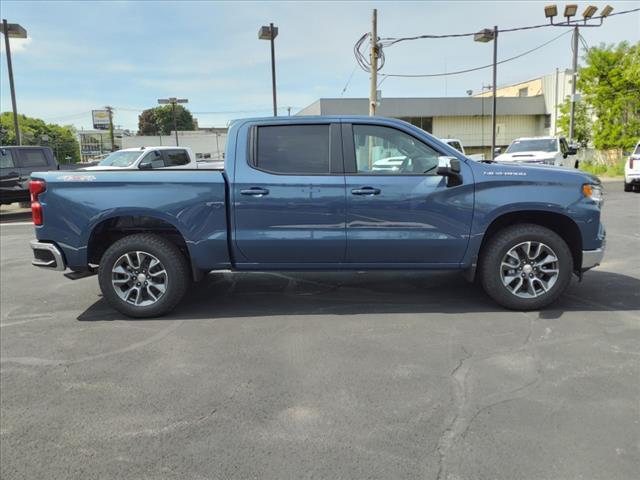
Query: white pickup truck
x: 146, y: 158
x: 457, y: 144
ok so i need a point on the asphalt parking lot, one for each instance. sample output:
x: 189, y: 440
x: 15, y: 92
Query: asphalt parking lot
x: 342, y: 376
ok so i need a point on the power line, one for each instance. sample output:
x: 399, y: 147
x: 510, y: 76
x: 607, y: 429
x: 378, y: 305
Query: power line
x: 476, y: 68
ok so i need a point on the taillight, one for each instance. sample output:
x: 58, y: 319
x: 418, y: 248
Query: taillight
x: 36, y: 187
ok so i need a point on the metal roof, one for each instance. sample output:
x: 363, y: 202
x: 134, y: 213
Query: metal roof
x: 428, y: 107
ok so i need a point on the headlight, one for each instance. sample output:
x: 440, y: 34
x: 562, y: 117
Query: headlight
x: 594, y: 192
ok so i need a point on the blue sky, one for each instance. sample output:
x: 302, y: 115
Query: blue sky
x: 84, y: 55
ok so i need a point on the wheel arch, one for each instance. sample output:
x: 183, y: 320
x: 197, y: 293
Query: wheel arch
x: 561, y: 224
x: 109, y: 230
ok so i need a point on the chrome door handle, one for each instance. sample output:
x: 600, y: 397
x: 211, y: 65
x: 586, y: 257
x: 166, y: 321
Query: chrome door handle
x: 255, y: 191
x: 365, y: 191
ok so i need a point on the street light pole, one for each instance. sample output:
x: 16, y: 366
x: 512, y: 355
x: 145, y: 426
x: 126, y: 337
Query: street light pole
x: 270, y: 33
x: 485, y: 36
x: 570, y: 11
x: 574, y: 81
x: 173, y: 101
x: 15, y: 31
x: 495, y: 81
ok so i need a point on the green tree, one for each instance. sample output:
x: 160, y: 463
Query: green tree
x: 610, y: 85
x: 62, y: 139
x: 583, y: 121
x: 159, y: 120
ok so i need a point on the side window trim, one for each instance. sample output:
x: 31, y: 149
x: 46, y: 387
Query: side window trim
x: 349, y: 153
x: 336, y: 162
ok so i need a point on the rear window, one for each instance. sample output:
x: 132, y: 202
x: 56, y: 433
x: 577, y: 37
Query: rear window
x: 293, y: 149
x: 6, y: 159
x: 176, y: 158
x: 33, y: 158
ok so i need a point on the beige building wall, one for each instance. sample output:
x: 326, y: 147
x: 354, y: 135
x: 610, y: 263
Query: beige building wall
x: 475, y: 131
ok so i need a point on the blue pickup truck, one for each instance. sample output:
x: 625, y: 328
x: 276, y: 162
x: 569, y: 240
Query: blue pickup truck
x: 321, y: 193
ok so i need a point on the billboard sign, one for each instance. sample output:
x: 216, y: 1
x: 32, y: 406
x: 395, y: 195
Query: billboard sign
x: 100, y: 119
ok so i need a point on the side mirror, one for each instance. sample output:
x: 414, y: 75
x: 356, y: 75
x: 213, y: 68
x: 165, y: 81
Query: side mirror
x: 573, y: 150
x: 450, y: 167
x: 145, y: 166
x: 497, y: 151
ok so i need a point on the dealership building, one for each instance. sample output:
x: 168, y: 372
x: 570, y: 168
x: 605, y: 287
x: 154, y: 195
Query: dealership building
x: 525, y: 109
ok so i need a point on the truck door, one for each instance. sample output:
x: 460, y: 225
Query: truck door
x: 399, y: 211
x: 288, y: 196
x: 10, y: 186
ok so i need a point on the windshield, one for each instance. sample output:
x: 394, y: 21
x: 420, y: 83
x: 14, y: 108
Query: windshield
x: 539, y: 145
x: 120, y: 159
x: 637, y: 150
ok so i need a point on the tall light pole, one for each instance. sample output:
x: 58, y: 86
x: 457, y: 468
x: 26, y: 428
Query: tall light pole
x: 173, y: 101
x: 551, y: 11
x: 485, y: 36
x: 13, y: 30
x: 270, y: 33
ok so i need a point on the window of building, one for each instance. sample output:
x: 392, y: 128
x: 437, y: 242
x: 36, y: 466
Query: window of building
x: 293, y: 149
x: 6, y: 159
x: 425, y: 123
x: 387, y: 151
x: 176, y: 158
x: 523, y: 92
x: 33, y: 158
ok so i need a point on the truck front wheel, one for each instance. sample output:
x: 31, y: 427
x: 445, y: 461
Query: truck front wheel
x: 143, y: 275
x: 525, y: 267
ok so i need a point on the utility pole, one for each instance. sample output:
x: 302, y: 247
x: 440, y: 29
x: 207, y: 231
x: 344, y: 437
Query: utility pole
x: 574, y: 81
x: 111, y: 134
x: 373, y: 90
x: 16, y: 31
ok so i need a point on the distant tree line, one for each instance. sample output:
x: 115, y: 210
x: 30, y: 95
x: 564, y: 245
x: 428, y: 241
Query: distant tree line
x: 159, y: 120
x: 608, y: 114
x: 62, y: 139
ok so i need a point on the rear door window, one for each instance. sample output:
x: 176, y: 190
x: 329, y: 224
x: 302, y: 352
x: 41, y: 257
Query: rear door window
x: 176, y: 158
x: 33, y: 157
x: 155, y: 158
x: 6, y: 159
x: 293, y: 149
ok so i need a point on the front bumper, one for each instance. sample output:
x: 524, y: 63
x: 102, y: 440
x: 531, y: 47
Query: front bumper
x: 592, y: 258
x: 47, y: 255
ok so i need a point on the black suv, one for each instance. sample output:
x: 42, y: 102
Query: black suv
x: 16, y: 165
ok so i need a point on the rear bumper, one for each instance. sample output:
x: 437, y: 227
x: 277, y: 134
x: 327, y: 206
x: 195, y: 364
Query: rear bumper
x: 47, y: 255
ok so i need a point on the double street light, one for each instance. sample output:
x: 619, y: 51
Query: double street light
x: 570, y: 11
x: 13, y: 30
x: 173, y: 101
x: 270, y: 32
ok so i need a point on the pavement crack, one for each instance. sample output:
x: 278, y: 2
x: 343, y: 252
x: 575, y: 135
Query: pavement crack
x: 459, y: 380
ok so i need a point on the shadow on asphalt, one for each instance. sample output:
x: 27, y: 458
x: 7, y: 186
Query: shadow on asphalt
x: 265, y: 294
x: 15, y: 216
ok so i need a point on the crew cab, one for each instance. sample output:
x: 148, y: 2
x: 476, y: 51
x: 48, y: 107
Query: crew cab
x: 147, y: 158
x: 303, y: 194
x: 541, y: 151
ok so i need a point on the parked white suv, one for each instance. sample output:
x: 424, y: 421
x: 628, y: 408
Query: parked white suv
x: 151, y: 158
x: 632, y: 170
x: 540, y: 150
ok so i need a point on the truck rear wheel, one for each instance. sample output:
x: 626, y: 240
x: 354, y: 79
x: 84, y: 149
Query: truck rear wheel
x: 525, y: 267
x: 143, y: 275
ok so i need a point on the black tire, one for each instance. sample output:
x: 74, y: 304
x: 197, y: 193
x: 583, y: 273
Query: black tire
x: 495, y: 250
x: 628, y: 187
x: 174, y: 263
